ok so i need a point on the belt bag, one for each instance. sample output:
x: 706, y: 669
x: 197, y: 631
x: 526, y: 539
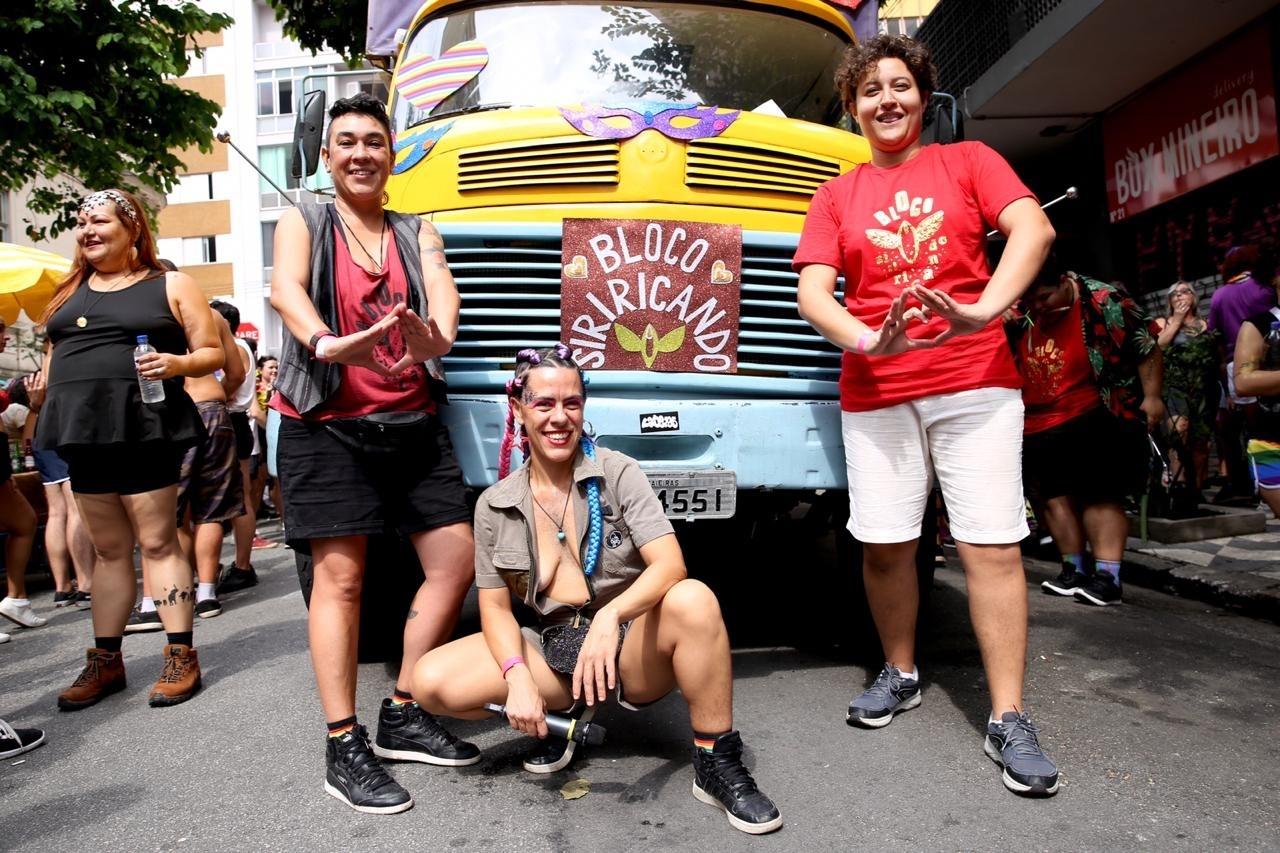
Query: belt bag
x: 561, y: 644
x: 386, y: 432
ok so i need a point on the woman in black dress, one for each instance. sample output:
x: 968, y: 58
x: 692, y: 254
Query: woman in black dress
x: 124, y: 454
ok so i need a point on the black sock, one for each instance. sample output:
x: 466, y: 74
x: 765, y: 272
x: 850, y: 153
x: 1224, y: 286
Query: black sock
x: 181, y: 638
x: 108, y: 644
x: 400, y: 697
x: 340, y: 726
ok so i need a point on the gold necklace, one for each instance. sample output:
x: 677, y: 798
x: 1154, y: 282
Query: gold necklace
x: 83, y: 320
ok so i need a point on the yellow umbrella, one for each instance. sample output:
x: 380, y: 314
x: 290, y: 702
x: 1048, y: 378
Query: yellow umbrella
x: 27, y: 279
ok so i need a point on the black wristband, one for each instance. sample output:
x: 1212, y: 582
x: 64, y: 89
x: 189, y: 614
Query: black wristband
x: 315, y: 339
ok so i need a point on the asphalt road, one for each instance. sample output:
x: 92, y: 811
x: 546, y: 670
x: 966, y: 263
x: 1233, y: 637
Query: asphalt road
x: 1161, y: 714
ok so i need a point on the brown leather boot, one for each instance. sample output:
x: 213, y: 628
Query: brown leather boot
x: 180, y: 678
x: 103, y: 675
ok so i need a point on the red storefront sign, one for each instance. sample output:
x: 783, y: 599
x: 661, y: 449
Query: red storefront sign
x: 651, y: 294
x: 1208, y: 120
x: 248, y: 331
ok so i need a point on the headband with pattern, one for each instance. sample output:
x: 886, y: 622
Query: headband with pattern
x: 109, y: 196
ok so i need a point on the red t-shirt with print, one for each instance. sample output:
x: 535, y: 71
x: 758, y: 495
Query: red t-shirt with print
x: 923, y: 221
x: 1058, y: 382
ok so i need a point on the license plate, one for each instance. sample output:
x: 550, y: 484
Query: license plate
x: 696, y: 494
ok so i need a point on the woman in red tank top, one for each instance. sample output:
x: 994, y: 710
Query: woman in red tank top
x: 360, y: 450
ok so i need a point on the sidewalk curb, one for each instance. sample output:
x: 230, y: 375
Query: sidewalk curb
x: 1242, y: 591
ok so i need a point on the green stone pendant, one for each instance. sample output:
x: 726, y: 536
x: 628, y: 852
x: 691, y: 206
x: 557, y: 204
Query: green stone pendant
x: 560, y: 535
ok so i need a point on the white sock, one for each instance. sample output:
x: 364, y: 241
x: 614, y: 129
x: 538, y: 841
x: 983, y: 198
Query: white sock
x: 20, y: 602
x: 148, y: 605
x: 204, y: 592
x: 913, y: 675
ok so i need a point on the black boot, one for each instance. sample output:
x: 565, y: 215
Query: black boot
x: 721, y: 780
x: 355, y: 776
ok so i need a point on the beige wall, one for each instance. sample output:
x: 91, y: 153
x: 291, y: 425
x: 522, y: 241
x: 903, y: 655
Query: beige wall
x: 205, y: 40
x: 195, y: 219
x: 214, y: 279
x: 211, y: 86
x: 197, y: 162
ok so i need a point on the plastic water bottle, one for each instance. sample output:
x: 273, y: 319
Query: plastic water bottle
x: 152, y: 389
x: 1271, y: 361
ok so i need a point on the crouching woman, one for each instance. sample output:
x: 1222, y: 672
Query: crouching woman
x: 578, y: 535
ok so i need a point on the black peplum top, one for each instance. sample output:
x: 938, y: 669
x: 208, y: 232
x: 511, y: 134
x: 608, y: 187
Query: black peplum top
x: 93, y: 395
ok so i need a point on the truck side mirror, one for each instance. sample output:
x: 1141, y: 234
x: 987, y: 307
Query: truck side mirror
x: 946, y: 120
x: 306, y: 135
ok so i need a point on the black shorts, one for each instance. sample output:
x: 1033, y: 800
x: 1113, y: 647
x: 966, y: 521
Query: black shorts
x: 210, y: 485
x: 124, y: 469
x: 244, y: 434
x: 1094, y: 458
x: 331, y: 490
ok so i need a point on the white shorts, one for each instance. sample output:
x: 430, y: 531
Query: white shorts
x: 972, y: 442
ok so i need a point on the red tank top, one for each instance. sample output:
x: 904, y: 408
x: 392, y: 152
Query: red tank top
x: 364, y: 298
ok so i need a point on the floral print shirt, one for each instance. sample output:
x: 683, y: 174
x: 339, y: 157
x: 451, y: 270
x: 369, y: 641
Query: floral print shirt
x: 1118, y: 336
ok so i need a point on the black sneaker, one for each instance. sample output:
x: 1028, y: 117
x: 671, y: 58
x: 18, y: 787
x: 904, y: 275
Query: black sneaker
x: 1012, y: 743
x: 1101, y: 589
x: 208, y: 608
x: 408, y: 733
x: 887, y: 695
x: 721, y: 780
x: 140, y: 622
x: 63, y: 599
x: 552, y: 754
x: 17, y: 741
x: 1068, y: 582
x: 235, y: 579
x: 355, y: 776
x: 84, y: 601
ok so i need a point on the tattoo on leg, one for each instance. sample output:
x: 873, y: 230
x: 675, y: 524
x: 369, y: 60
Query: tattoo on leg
x: 174, y: 596
x: 412, y: 613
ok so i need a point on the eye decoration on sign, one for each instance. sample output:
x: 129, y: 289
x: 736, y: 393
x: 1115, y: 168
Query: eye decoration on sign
x: 651, y: 294
x: 425, y: 81
x: 413, y: 147
x: 674, y: 121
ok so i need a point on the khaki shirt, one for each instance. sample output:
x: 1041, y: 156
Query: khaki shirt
x: 504, y: 533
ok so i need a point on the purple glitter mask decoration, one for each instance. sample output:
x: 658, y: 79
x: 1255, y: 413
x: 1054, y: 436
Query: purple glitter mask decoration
x: 672, y: 121
x: 418, y: 145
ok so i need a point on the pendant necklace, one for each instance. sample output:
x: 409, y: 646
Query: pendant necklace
x: 563, y: 512
x: 83, y: 319
x: 378, y: 261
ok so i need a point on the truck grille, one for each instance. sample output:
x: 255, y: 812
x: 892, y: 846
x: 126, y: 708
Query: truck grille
x: 568, y: 160
x: 727, y: 164
x: 511, y: 299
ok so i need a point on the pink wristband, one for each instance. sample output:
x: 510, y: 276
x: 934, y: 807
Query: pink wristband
x: 509, y: 663
x: 861, y: 346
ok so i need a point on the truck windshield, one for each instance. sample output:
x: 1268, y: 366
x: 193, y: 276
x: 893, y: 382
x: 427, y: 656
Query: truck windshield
x: 559, y: 54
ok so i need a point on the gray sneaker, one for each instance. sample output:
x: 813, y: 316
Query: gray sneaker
x: 1012, y: 743
x: 887, y: 695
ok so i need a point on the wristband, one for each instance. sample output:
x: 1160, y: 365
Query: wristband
x: 323, y: 345
x: 509, y: 663
x: 861, y: 346
x: 318, y: 337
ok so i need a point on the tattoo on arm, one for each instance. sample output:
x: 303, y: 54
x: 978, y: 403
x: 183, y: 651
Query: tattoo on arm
x: 436, y: 256
x: 1249, y: 366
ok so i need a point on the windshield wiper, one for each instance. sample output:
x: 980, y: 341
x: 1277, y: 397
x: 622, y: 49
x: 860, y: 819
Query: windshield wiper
x: 462, y: 111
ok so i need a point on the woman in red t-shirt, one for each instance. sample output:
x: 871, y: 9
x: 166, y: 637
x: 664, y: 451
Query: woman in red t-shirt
x: 927, y: 385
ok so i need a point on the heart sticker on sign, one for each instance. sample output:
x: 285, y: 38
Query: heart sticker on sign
x: 720, y: 273
x: 425, y: 81
x: 577, y: 268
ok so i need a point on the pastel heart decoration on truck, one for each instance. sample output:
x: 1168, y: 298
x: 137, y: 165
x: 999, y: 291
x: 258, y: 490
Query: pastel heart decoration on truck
x: 425, y: 81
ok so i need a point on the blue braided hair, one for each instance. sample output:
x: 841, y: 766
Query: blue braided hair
x: 595, y: 514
